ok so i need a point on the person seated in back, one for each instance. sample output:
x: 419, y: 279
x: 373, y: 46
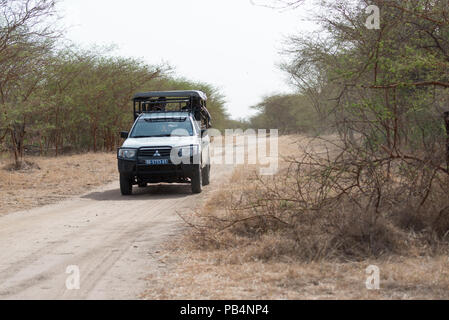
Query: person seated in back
x: 162, y: 104
x: 186, y: 107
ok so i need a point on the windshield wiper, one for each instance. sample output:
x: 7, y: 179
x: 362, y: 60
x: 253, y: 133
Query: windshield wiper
x: 177, y: 119
x: 155, y: 136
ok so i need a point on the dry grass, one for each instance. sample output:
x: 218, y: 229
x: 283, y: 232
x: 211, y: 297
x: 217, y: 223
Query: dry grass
x: 202, y: 275
x: 300, y: 213
x: 244, y: 262
x: 47, y: 180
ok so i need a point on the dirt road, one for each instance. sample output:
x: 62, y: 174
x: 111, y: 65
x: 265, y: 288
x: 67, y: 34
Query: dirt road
x: 110, y: 238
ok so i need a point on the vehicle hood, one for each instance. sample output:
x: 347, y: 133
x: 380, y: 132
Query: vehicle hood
x: 160, y: 142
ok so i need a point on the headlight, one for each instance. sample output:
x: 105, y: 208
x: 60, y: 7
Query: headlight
x: 188, y: 151
x: 127, y: 153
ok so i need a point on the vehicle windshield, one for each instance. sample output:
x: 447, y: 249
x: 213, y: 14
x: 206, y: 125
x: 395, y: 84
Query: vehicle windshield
x: 146, y: 128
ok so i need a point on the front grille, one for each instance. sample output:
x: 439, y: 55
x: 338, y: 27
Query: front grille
x: 165, y: 168
x: 155, y: 152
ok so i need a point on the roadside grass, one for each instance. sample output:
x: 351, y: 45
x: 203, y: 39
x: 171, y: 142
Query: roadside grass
x: 225, y: 254
x: 204, y: 275
x: 46, y: 180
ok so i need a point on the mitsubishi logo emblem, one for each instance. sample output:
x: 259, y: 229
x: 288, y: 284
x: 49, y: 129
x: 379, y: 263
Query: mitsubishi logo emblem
x: 157, y: 154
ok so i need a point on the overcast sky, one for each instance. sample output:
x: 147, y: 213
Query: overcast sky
x: 231, y: 44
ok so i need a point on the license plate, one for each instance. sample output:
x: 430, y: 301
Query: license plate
x: 156, y: 161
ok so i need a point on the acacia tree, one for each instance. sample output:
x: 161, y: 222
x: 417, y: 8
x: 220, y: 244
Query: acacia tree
x: 26, y: 37
x: 408, y: 55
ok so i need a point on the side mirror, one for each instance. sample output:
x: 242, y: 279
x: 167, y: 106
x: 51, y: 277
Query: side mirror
x: 124, y: 134
x: 203, y: 131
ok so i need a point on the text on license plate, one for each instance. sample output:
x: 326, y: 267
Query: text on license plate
x: 156, y: 161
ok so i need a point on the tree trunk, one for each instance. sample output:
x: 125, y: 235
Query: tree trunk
x: 446, y: 122
x: 95, y: 139
x: 17, y: 159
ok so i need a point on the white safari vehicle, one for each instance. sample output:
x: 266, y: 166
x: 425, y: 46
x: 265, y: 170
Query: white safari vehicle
x: 168, y: 141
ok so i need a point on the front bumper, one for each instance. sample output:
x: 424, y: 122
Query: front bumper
x: 142, y: 172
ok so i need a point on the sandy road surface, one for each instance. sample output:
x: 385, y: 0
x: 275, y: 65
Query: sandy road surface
x: 110, y: 238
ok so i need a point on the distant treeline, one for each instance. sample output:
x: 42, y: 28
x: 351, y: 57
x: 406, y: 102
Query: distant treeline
x: 289, y: 113
x: 55, y: 97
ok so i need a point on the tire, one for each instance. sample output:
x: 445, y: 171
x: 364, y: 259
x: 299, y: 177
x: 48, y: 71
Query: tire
x: 126, y: 186
x: 206, y: 175
x: 196, y: 179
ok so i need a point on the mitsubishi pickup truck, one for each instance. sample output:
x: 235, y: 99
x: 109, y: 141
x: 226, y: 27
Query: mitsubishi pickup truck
x: 168, y: 142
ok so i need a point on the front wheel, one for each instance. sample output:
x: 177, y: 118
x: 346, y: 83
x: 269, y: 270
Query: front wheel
x: 126, y: 185
x: 196, y: 179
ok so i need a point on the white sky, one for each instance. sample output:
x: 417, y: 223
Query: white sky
x: 230, y: 44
